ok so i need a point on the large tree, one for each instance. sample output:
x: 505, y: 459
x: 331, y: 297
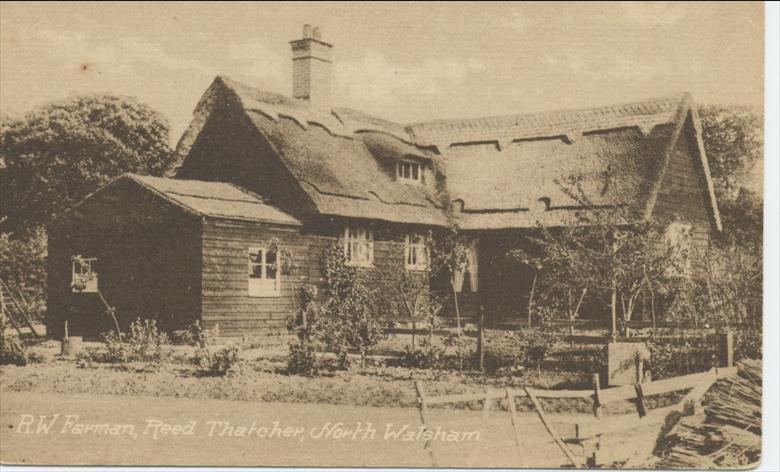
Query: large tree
x: 57, y: 154
x: 733, y: 141
x: 54, y: 156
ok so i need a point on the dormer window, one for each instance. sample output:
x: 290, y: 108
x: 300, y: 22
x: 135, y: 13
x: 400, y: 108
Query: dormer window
x: 409, y: 172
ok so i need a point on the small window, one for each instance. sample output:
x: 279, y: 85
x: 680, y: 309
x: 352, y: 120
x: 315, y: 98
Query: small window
x: 263, y: 273
x: 358, y: 245
x: 84, y: 274
x: 409, y: 172
x: 416, y: 253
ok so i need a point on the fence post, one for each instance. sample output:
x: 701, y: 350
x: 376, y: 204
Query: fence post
x: 597, y: 408
x: 481, y: 339
x: 726, y: 349
x: 423, y: 414
x: 639, y: 365
x: 510, y: 403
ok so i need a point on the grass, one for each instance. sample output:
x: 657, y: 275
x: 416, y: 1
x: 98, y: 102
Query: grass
x: 261, y: 376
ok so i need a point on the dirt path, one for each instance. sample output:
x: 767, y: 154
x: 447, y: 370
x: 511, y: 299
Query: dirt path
x: 209, y: 443
x: 126, y: 430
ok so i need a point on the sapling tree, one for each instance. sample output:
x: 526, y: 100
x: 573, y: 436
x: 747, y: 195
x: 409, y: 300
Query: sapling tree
x: 407, y: 280
x: 450, y: 251
x: 603, y: 250
x: 342, y: 315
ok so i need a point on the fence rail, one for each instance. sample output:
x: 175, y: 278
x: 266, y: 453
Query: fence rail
x: 588, y: 427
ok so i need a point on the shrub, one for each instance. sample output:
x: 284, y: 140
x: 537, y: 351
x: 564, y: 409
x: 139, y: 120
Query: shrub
x: 35, y: 357
x: 11, y: 350
x: 526, y: 348
x: 426, y: 355
x: 748, y: 344
x: 502, y: 351
x: 219, y: 361
x: 189, y: 336
x: 535, y: 344
x: 352, y: 321
x: 681, y: 356
x: 458, y: 342
x: 144, y: 342
x: 23, y: 266
x: 343, y: 319
x: 302, y: 360
x: 117, y: 351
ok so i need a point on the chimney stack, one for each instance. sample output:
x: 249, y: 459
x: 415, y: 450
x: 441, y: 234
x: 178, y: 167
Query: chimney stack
x: 312, y: 63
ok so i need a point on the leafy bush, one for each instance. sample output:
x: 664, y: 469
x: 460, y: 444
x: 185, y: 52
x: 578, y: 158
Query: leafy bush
x: 190, y: 336
x: 144, y: 342
x: 23, y: 266
x: 681, y: 356
x: 748, y: 344
x: 302, y: 360
x: 35, y: 357
x: 11, y: 349
x: 351, y: 321
x: 426, y: 355
x: 458, y: 342
x: 219, y: 361
x: 502, y: 351
x: 527, y: 348
x: 342, y: 319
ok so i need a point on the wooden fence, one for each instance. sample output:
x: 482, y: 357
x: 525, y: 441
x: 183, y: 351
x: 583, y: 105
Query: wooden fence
x: 589, y: 428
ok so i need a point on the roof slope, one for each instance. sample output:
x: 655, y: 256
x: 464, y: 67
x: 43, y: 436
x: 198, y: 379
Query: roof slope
x: 504, y: 169
x: 214, y: 199
x: 345, y: 165
x: 500, y: 169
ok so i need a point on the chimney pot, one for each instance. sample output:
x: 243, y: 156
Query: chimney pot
x: 317, y: 33
x: 306, y: 31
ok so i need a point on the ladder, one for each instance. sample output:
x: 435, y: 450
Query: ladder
x: 14, y: 307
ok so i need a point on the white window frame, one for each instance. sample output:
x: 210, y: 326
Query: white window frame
x: 262, y: 286
x: 358, y: 245
x: 416, y: 251
x: 405, y: 172
x: 88, y: 279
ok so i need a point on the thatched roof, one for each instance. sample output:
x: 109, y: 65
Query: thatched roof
x: 344, y: 161
x: 505, y: 172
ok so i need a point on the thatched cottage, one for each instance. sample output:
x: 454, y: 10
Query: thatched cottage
x: 256, y: 167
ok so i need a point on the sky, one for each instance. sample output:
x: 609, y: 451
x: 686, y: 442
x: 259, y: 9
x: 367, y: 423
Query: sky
x: 405, y: 62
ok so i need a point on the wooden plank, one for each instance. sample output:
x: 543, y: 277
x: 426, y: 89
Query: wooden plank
x: 557, y: 393
x: 552, y: 432
x: 640, y: 400
x: 510, y: 400
x: 589, y: 427
x: 421, y: 402
x: 623, y: 393
x: 597, y: 406
x: 465, y: 397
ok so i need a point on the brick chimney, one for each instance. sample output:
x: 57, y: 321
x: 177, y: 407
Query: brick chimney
x: 312, y: 63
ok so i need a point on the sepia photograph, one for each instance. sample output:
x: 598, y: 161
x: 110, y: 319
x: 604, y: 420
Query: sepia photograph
x: 398, y: 235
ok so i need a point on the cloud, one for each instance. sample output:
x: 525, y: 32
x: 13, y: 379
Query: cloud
x: 125, y: 56
x: 259, y: 63
x: 373, y: 78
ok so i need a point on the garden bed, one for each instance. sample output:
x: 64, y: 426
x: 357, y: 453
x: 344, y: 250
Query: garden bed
x: 261, y: 376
